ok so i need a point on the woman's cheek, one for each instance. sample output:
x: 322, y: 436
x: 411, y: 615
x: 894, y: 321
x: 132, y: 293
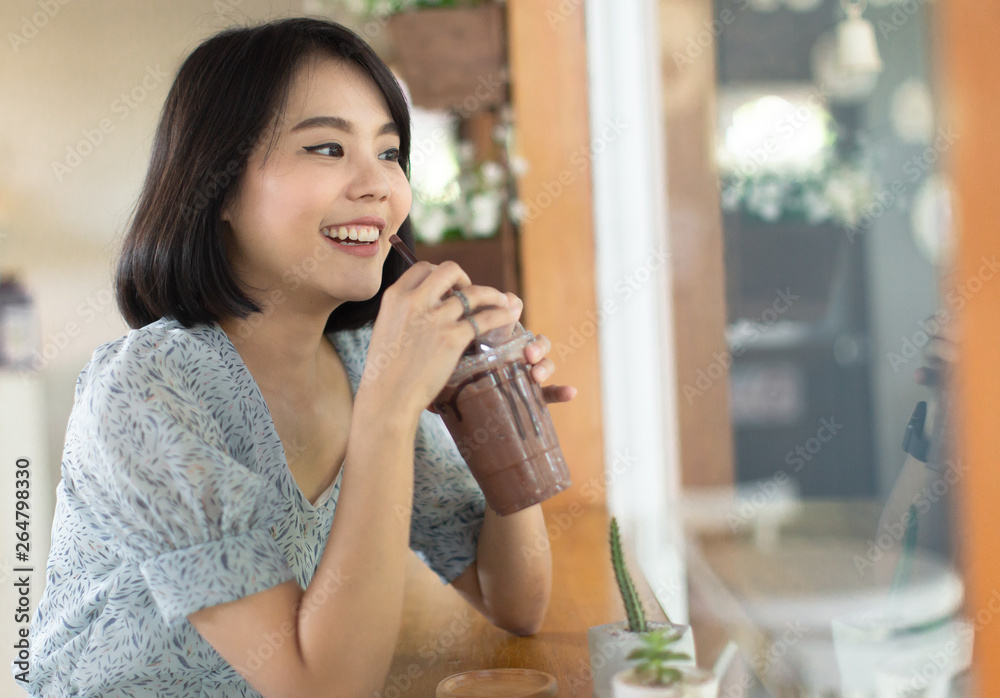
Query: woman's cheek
x: 402, y: 193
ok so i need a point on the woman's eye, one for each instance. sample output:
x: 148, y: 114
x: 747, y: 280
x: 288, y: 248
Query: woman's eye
x: 330, y: 149
x: 392, y: 154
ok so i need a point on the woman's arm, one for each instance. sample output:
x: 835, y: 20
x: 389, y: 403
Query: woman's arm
x: 511, y: 580
x: 337, y: 637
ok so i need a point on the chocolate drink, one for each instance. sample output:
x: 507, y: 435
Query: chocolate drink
x: 498, y: 418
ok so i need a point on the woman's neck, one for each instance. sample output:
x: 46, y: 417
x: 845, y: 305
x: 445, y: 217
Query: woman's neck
x: 283, y: 351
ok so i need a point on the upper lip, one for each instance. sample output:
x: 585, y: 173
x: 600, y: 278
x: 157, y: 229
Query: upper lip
x: 371, y: 221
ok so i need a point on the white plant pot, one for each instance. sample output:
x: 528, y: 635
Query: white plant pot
x: 623, y: 685
x: 697, y: 683
x: 610, y: 644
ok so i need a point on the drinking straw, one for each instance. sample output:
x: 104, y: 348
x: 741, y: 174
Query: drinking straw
x: 404, y: 251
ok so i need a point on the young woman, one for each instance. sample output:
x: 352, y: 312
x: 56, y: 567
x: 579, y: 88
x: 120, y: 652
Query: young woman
x: 278, y: 371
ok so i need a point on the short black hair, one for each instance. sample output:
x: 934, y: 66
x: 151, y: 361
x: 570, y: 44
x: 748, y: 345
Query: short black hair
x: 230, y: 89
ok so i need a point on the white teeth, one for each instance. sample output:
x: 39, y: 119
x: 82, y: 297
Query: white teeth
x: 360, y: 233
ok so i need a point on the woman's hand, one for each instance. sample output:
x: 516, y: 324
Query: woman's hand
x: 421, y: 332
x: 542, y: 367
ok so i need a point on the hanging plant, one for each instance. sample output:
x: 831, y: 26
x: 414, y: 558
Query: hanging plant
x: 841, y: 192
x: 476, y: 211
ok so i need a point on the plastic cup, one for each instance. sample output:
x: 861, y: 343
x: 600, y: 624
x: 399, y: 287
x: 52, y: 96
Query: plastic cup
x: 498, y: 418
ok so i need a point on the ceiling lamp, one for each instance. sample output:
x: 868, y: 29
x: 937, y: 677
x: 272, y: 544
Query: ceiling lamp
x: 857, y: 49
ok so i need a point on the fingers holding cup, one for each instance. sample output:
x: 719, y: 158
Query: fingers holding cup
x: 538, y: 349
x: 558, y: 393
x: 542, y: 369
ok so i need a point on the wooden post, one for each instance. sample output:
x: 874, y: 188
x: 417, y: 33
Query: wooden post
x: 695, y: 233
x: 548, y: 62
x: 971, y: 76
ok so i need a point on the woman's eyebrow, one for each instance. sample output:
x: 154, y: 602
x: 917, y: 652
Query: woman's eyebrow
x: 340, y: 124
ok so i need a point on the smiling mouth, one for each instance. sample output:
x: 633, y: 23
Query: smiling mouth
x: 352, y: 235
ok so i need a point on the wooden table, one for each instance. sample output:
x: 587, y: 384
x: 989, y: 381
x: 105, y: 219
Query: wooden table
x: 442, y: 635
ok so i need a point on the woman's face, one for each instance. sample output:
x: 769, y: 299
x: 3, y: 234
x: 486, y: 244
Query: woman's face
x: 333, y: 173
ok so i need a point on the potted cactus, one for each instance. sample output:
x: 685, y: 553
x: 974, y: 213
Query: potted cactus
x: 659, y: 671
x: 610, y: 644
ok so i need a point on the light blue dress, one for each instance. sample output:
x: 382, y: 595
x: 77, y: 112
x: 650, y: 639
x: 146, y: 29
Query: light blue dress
x: 176, y: 496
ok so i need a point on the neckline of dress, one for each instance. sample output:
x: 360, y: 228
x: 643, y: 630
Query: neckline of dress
x: 324, y: 497
x: 286, y: 471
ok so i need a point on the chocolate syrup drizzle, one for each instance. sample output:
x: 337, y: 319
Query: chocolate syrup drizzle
x: 517, y: 376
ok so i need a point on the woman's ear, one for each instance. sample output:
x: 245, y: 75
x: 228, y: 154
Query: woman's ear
x: 228, y: 208
x: 231, y: 200
x: 225, y: 222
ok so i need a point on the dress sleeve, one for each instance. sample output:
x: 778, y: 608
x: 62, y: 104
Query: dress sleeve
x: 148, y: 456
x: 448, y: 506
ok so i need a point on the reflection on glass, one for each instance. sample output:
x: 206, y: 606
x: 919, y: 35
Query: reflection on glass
x: 830, y: 561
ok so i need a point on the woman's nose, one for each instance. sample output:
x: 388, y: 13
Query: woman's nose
x: 369, y: 181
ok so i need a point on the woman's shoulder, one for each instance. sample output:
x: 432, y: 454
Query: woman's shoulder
x: 161, y: 350
x: 164, y: 341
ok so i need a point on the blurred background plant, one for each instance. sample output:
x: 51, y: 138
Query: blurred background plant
x: 456, y: 195
x: 780, y: 158
x: 386, y: 7
x: 840, y: 192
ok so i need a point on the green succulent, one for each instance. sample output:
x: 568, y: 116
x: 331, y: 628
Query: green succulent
x: 654, y: 662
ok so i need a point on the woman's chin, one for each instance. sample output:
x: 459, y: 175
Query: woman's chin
x: 359, y: 294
